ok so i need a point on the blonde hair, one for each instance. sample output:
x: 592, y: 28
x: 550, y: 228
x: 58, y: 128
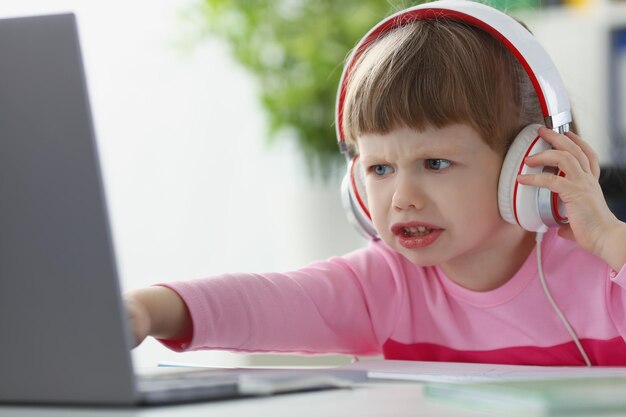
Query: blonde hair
x: 439, y: 72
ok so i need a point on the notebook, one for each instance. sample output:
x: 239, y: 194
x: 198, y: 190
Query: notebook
x: 63, y: 331
x: 572, y: 396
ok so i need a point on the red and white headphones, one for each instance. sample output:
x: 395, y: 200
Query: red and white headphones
x: 532, y: 208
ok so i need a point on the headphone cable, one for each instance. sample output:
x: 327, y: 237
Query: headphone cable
x: 568, y: 327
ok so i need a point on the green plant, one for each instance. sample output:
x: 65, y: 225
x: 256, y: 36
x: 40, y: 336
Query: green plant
x: 296, y: 49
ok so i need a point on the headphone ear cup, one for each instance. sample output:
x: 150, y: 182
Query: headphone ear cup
x: 518, y: 203
x: 354, y: 199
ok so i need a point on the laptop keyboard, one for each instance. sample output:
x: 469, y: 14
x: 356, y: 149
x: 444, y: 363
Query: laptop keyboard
x: 188, y: 385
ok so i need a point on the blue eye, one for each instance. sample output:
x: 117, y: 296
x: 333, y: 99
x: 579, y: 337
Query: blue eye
x: 380, y: 170
x: 438, y: 164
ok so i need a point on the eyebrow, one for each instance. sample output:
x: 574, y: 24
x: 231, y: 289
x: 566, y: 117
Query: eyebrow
x: 424, y: 153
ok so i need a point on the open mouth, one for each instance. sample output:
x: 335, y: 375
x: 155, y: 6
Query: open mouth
x: 415, y: 235
x: 415, y: 231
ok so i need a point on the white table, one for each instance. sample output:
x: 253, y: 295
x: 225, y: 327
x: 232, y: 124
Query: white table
x: 374, y: 398
x: 365, y: 400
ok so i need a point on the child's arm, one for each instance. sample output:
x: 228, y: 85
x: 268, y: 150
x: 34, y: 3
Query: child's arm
x: 591, y: 222
x: 346, y: 304
x: 158, y: 312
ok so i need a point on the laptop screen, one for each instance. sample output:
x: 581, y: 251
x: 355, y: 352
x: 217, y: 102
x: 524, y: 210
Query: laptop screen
x: 62, y: 328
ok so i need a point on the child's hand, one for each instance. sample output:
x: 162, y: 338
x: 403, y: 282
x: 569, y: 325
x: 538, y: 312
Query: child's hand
x: 138, y: 319
x: 591, y: 222
x: 157, y: 311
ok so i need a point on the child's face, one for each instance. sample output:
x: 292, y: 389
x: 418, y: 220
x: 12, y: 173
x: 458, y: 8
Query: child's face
x: 433, y: 194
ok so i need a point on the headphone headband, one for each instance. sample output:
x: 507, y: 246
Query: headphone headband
x: 531, y: 55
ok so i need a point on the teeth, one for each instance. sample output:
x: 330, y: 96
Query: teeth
x: 414, y: 231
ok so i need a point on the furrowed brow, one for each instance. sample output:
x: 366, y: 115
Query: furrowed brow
x: 439, y: 152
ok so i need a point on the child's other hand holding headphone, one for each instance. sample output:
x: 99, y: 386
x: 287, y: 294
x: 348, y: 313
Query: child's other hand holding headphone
x: 591, y: 222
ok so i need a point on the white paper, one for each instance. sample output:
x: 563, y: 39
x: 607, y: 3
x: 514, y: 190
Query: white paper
x: 473, y: 372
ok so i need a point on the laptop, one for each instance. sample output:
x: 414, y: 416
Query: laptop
x: 63, y: 329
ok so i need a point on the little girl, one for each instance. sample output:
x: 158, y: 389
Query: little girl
x: 432, y: 107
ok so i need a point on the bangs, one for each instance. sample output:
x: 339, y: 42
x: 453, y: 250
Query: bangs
x: 434, y: 73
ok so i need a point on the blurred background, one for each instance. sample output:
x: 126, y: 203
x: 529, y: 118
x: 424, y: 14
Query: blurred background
x: 215, y: 127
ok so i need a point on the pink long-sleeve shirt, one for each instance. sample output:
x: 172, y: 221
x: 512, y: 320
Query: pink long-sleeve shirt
x: 375, y: 301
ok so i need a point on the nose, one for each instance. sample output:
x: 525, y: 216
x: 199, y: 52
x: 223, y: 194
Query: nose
x: 408, y: 194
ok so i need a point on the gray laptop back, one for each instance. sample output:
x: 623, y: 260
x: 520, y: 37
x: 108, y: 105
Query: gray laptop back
x: 62, y: 328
